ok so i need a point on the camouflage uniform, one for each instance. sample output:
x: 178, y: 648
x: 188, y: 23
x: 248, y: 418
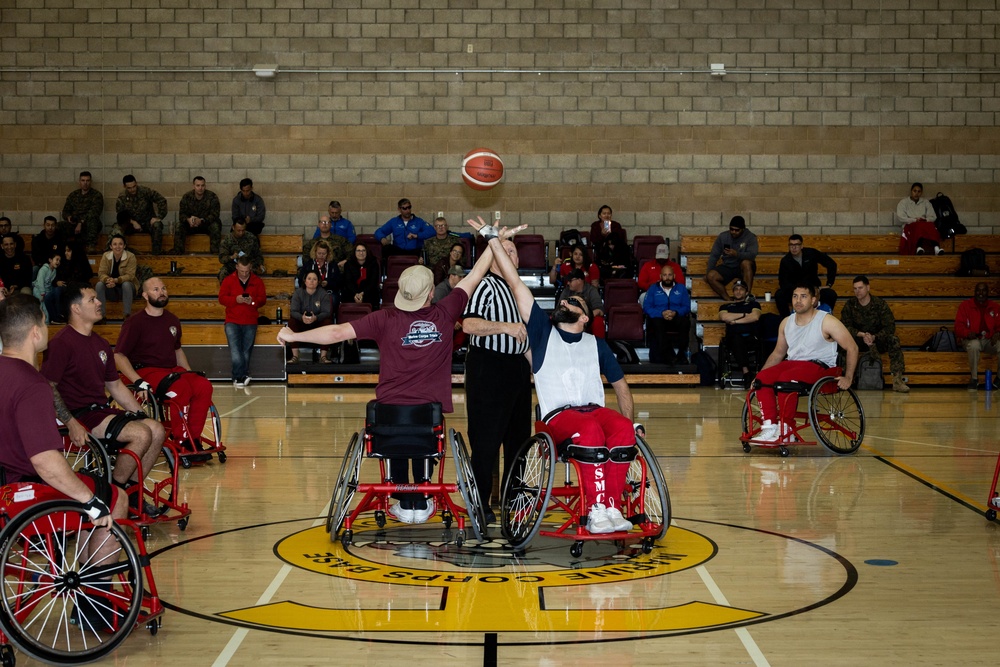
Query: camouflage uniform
x: 248, y: 244
x: 209, y: 210
x: 436, y: 249
x: 876, y: 318
x: 145, y: 205
x: 87, y: 209
x: 340, y: 247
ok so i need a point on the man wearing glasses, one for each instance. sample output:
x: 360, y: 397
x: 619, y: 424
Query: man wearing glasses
x: 405, y: 234
x: 801, y: 265
x: 737, y: 250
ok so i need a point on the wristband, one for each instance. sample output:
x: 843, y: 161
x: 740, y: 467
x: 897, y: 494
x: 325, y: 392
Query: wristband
x: 96, y: 509
x: 142, y: 385
x: 488, y: 232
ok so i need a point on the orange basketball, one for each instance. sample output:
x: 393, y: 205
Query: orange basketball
x: 482, y: 169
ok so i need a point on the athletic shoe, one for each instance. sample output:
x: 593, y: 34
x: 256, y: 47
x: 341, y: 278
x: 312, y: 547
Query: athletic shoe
x: 973, y: 383
x: 768, y: 432
x: 421, y: 515
x: 996, y: 501
x: 246, y: 381
x: 598, y: 521
x: 789, y: 434
x: 900, y: 386
x: 920, y: 251
x: 400, y: 514
x: 938, y: 250
x: 238, y: 383
x: 93, y: 614
x: 619, y: 521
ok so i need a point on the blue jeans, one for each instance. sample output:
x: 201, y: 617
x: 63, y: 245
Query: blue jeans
x: 240, y: 337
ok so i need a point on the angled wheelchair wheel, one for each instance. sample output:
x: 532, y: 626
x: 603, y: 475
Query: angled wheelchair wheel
x: 151, y: 406
x: 646, y: 489
x: 837, y: 416
x: 92, y: 459
x: 527, y: 491
x: 467, y: 485
x: 750, y: 419
x: 347, y: 484
x: 70, y: 594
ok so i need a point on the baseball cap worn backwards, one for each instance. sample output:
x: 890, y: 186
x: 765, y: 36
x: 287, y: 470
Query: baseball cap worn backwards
x: 415, y: 283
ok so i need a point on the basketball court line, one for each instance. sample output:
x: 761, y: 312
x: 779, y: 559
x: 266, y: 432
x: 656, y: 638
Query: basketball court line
x: 748, y: 643
x: 239, y: 407
x: 927, y: 444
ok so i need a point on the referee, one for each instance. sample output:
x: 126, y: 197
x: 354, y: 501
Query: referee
x: 497, y: 378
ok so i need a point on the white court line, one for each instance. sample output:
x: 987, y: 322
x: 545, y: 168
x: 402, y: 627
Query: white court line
x: 928, y: 444
x: 748, y: 643
x: 238, y: 408
x: 237, y: 639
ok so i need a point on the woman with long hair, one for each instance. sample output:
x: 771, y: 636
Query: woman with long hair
x: 578, y: 258
x: 455, y: 257
x: 361, y: 278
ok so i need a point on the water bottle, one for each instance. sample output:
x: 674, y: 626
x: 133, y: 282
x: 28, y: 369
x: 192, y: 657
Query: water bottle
x: 989, y: 380
x: 277, y: 315
x: 684, y: 261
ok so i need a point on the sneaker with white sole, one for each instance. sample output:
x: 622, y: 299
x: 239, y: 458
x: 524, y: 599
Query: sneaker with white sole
x: 399, y: 513
x: 620, y: 522
x: 768, y: 432
x: 421, y: 515
x: 238, y: 383
x: 598, y: 521
x: 246, y: 381
x: 789, y: 434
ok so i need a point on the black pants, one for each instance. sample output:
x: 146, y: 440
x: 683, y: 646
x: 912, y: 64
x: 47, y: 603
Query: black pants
x: 498, y: 403
x: 740, y: 346
x: 665, y: 335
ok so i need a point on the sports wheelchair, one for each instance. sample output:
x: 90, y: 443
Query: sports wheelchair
x: 836, y: 416
x: 405, y: 432
x: 530, y: 488
x: 63, y: 602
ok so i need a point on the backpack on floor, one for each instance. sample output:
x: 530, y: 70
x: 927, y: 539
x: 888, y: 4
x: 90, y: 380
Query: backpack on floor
x: 947, y: 221
x: 706, y: 368
x: 942, y: 341
x: 624, y: 352
x: 973, y: 263
x: 870, y: 372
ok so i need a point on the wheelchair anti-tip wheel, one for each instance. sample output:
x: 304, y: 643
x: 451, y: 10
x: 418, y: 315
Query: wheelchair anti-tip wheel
x: 646, y: 490
x: 347, y: 483
x: 467, y: 486
x: 837, y: 417
x: 527, y: 491
x: 71, y: 594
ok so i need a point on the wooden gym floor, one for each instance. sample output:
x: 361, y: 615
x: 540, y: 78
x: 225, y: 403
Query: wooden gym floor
x: 880, y: 558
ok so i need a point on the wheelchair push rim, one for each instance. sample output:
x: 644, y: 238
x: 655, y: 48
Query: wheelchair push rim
x: 346, y: 485
x: 467, y: 485
x: 646, y: 490
x: 527, y: 490
x: 837, y: 417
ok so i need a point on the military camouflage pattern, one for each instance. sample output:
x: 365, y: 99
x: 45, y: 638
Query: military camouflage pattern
x: 86, y: 209
x: 231, y: 245
x: 340, y: 248
x: 145, y: 205
x: 875, y: 318
x: 437, y: 249
x: 209, y: 210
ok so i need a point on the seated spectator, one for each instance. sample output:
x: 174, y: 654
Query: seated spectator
x: 248, y: 208
x: 15, y: 267
x: 741, y: 316
x: 439, y: 246
x: 44, y: 284
x: 405, y: 234
x: 361, y: 278
x: 579, y: 259
x: 977, y: 327
x: 455, y: 257
x: 615, y: 260
x: 240, y: 243
x: 444, y: 287
x: 339, y: 247
x: 604, y: 228
x: 243, y: 295
x: 667, y: 306
x: 917, y: 216
x: 146, y: 209
x: 870, y: 321
x: 82, y: 213
x: 801, y: 265
x: 45, y: 242
x: 649, y: 273
x: 341, y: 226
x: 5, y: 230
x: 577, y: 285
x: 116, y: 275
x: 200, y: 213
x: 733, y: 255
x: 312, y: 307
x: 319, y: 261
x: 74, y: 268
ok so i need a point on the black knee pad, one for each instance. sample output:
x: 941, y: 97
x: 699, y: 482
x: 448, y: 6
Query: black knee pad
x: 624, y: 454
x: 115, y: 427
x: 587, y: 454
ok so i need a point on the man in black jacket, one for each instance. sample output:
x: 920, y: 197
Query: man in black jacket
x: 801, y: 266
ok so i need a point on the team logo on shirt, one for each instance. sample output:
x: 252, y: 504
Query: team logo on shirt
x: 104, y: 356
x: 173, y: 331
x: 422, y: 333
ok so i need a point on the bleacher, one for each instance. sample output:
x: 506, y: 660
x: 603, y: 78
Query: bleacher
x: 922, y: 291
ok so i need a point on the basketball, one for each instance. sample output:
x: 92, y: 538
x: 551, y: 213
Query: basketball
x: 482, y: 169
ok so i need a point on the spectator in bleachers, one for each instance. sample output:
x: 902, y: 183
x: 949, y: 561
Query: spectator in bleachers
x: 74, y: 268
x: 455, y: 257
x: 870, y: 320
x: 327, y: 271
x: 444, y: 287
x: 341, y: 225
x: 615, y: 260
x: 243, y: 295
x: 604, y: 228
x: 405, y: 234
x: 146, y: 210
x: 733, y: 255
x: 741, y: 316
x: 339, y: 247
x: 82, y: 213
x: 440, y: 245
x: 15, y: 267
x: 240, y: 243
x: 917, y: 216
x: 579, y: 259
x: 5, y: 230
x: 577, y: 285
x: 667, y: 307
x: 649, y: 273
x: 977, y: 327
x: 45, y: 242
x: 361, y: 278
x: 248, y: 206
x: 802, y: 265
x: 312, y: 307
x: 116, y: 275
x: 200, y: 213
x: 42, y: 288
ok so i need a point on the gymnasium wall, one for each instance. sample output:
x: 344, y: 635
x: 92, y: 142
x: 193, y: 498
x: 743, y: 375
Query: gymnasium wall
x: 826, y: 113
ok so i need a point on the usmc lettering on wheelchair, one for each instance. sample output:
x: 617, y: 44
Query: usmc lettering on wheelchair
x: 488, y: 588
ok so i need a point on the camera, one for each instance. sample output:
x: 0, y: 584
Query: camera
x: 308, y: 313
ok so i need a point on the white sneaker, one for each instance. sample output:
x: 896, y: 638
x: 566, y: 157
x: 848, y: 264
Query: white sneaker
x: 996, y: 501
x: 920, y: 251
x: 789, y: 434
x: 246, y: 381
x: 421, y: 516
x: 400, y: 514
x: 620, y: 522
x: 598, y: 521
x: 238, y: 383
x: 768, y: 431
x: 938, y: 250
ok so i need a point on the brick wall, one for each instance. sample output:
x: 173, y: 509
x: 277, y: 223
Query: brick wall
x: 829, y: 109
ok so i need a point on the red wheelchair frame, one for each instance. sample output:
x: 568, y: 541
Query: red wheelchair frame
x: 426, y: 440
x: 529, y: 490
x: 836, y: 417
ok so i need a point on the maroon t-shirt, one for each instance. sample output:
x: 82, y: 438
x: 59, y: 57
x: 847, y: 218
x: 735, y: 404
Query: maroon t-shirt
x: 150, y: 341
x: 414, y: 351
x: 80, y: 365
x: 27, y: 418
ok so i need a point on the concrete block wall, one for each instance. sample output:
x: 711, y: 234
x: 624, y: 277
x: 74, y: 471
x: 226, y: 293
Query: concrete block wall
x: 828, y: 111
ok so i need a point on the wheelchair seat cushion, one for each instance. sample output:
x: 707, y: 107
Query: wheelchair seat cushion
x: 404, y: 431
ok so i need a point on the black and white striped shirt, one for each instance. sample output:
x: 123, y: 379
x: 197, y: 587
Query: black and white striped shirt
x: 493, y: 301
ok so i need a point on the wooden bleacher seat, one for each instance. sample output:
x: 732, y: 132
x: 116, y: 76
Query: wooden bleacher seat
x: 194, y: 333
